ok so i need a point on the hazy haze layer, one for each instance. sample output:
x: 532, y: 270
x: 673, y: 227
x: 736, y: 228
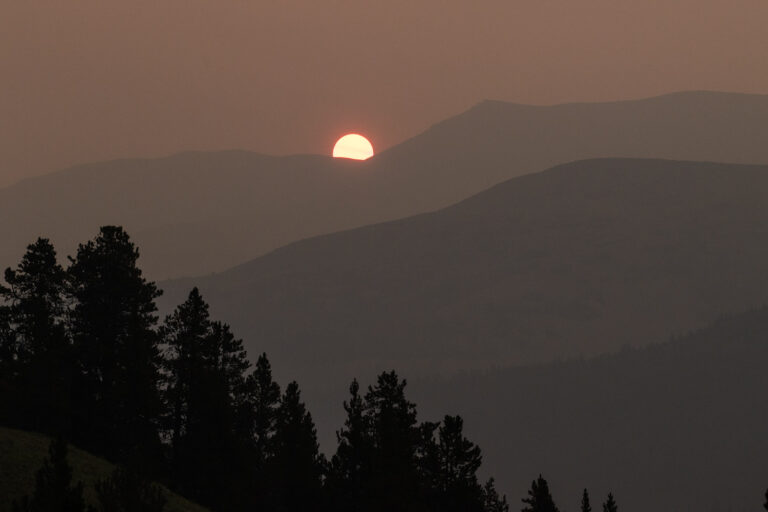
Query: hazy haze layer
x: 581, y: 259
x: 92, y: 80
x: 195, y: 213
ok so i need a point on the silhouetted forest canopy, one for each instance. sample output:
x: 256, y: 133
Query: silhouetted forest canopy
x: 85, y: 358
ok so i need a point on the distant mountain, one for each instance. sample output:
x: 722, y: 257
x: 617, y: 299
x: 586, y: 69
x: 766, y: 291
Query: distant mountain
x: 196, y: 213
x: 677, y: 426
x: 496, y: 141
x: 581, y: 259
x: 189, y: 213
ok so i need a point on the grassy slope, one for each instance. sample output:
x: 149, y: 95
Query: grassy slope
x: 22, y: 453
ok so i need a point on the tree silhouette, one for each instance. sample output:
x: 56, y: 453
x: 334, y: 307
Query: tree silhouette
x: 264, y: 399
x: 539, y: 498
x: 112, y: 324
x: 231, y: 440
x: 394, y: 482
x: 765, y: 505
x: 232, y: 367
x: 295, y: 467
x: 34, y: 344
x: 53, y: 485
x: 263, y: 402
x: 350, y: 466
x: 386, y: 460
x: 183, y: 334
x: 610, y: 504
x: 457, y: 462
x: 205, y: 393
x: 492, y: 502
x: 585, y: 506
x: 126, y: 491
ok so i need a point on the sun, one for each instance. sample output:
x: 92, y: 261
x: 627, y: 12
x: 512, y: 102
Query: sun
x: 353, y: 146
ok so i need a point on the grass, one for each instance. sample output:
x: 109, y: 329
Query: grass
x: 22, y: 454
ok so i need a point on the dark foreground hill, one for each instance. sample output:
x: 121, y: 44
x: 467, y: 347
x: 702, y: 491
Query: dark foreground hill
x: 22, y: 453
x: 673, y: 427
x: 578, y: 260
x: 196, y: 213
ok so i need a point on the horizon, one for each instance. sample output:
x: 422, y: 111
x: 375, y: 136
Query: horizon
x: 378, y: 152
x: 288, y: 78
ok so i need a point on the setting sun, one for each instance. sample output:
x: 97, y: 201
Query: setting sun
x: 353, y: 146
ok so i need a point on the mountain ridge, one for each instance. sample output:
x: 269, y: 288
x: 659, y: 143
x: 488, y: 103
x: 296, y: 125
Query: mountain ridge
x: 179, y: 208
x: 550, y: 264
x: 673, y: 426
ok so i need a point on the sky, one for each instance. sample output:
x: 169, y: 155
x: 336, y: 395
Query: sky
x: 88, y: 80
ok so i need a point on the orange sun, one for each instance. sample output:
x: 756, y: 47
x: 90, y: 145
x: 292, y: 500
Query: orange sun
x: 353, y: 146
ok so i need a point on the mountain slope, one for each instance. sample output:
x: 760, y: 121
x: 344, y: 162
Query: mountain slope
x: 677, y: 426
x: 195, y: 213
x: 552, y: 264
x: 495, y: 140
x: 192, y: 212
x: 22, y: 453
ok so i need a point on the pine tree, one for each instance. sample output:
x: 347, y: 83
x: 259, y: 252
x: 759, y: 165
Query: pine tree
x: 262, y: 406
x: 458, y: 460
x: 34, y: 344
x: 183, y: 333
x: 233, y: 366
x: 585, y: 506
x: 385, y: 460
x: 492, y: 502
x: 207, y: 419
x: 264, y: 401
x: 112, y: 325
x: 53, y: 485
x: 126, y: 491
x: 394, y: 483
x: 610, y: 504
x: 350, y: 465
x: 539, y: 498
x: 295, y: 468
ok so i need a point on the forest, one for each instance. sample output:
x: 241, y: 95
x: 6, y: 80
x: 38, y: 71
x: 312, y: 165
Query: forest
x: 85, y: 358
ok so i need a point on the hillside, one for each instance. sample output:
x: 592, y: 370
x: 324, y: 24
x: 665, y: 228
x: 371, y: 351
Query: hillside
x: 22, y: 453
x: 676, y: 426
x: 195, y: 213
x: 581, y: 259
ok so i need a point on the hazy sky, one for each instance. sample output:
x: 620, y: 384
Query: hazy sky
x: 84, y: 80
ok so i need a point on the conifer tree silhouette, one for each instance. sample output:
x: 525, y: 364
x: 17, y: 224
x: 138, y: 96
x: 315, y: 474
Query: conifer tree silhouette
x: 386, y: 460
x: 53, y: 485
x: 492, y: 502
x: 263, y: 402
x: 394, y: 482
x: 610, y: 504
x: 113, y: 328
x: 350, y: 465
x: 206, y: 393
x: 185, y: 333
x: 295, y: 467
x: 233, y: 442
x: 585, y: 506
x: 34, y: 345
x: 458, y: 460
x: 539, y: 498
